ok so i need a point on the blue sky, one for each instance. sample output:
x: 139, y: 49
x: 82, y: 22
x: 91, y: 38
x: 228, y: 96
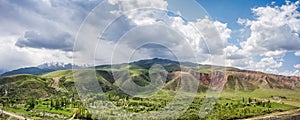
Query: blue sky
x: 230, y: 11
x: 260, y: 35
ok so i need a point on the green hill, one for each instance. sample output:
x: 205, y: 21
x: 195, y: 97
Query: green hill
x: 25, y: 86
x: 237, y: 80
x: 56, y: 92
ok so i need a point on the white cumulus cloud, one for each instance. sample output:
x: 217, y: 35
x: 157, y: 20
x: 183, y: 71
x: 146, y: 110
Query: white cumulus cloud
x: 273, y: 32
x: 204, y: 36
x: 297, y: 66
x: 268, y: 63
x: 297, y: 53
x: 274, y: 29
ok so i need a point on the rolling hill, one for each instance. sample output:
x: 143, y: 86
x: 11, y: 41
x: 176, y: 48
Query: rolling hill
x: 235, y: 85
x: 237, y: 80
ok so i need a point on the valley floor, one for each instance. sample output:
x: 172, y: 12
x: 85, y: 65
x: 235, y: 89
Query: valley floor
x: 291, y: 114
x: 230, y: 105
x: 291, y: 99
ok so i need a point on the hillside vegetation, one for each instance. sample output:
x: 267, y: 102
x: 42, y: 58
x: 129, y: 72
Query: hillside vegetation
x: 244, y: 93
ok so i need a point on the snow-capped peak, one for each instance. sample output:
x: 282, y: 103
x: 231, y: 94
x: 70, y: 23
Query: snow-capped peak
x: 59, y: 66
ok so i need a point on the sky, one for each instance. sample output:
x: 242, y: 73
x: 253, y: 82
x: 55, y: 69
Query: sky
x: 261, y: 35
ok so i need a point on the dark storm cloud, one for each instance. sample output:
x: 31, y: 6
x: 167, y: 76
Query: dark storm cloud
x: 45, y: 24
x: 63, y: 41
x: 117, y: 29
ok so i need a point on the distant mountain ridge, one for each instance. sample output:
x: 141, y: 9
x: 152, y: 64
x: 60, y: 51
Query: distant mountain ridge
x: 2, y: 71
x: 43, y: 68
x: 28, y: 70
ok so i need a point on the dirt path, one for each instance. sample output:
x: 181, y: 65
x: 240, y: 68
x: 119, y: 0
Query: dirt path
x: 73, y: 116
x: 55, y: 84
x: 14, y: 115
x: 276, y: 115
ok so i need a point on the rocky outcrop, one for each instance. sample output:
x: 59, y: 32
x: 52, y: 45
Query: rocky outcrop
x: 240, y: 80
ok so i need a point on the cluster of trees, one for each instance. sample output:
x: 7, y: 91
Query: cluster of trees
x: 10, y: 102
x: 82, y: 113
x: 232, y: 109
x: 60, y: 103
x: 30, y: 104
x: 265, y: 103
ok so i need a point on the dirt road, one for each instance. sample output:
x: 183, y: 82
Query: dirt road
x: 276, y: 115
x: 13, y: 115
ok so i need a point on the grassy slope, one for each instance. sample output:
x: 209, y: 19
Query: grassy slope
x: 24, y: 86
x: 61, y: 73
x: 38, y: 86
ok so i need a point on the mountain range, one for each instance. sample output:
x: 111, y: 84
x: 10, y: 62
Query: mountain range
x: 41, y: 69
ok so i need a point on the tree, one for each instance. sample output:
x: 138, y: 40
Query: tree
x: 269, y: 104
x: 57, y: 104
x: 51, y: 103
x: 30, y: 104
x: 250, y: 100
